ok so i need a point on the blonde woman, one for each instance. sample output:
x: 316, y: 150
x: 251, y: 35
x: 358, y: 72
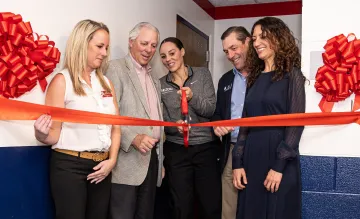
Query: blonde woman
x: 83, y: 154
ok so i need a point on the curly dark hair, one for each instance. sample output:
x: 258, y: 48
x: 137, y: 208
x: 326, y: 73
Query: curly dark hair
x: 282, y: 41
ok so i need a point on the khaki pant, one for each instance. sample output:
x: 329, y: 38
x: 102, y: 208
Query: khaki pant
x: 229, y: 192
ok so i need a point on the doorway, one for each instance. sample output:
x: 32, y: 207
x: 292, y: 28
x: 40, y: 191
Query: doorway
x: 196, y: 43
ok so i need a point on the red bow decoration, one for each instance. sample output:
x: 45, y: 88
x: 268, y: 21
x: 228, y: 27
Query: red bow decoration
x: 339, y: 77
x: 24, y: 60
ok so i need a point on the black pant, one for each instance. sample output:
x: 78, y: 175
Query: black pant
x: 135, y: 202
x: 194, y: 170
x: 74, y: 196
x: 163, y: 209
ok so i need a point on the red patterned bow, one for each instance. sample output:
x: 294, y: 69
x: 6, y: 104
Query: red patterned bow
x: 24, y: 59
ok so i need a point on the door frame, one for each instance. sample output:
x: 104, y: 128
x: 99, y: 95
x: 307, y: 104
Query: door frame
x: 192, y: 27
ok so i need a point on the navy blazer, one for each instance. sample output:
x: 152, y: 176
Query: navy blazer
x: 223, y: 111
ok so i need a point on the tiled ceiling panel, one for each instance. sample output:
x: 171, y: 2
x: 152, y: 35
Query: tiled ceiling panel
x: 221, y: 3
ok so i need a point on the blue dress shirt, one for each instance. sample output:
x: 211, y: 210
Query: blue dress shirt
x: 237, y: 100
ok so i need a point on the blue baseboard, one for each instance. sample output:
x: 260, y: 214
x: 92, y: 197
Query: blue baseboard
x: 325, y: 205
x: 331, y: 185
x: 25, y: 191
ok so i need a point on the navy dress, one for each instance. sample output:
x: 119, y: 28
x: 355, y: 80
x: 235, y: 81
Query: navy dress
x: 260, y: 149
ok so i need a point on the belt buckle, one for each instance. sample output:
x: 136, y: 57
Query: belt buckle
x: 97, y: 157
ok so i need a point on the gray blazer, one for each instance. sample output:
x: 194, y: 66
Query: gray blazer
x: 132, y: 166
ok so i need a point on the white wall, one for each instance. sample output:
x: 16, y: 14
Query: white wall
x: 221, y: 64
x: 321, y: 20
x: 312, y: 30
x: 57, y: 18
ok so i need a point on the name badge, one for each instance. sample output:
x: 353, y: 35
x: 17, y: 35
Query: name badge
x: 106, y: 94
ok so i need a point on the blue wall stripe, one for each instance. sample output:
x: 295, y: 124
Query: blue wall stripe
x: 348, y: 175
x: 318, y: 173
x: 25, y: 192
x: 335, y: 172
x: 331, y: 186
x: 323, y: 205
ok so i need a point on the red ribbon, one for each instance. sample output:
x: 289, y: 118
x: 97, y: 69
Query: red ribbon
x: 18, y: 110
x: 185, y: 114
x: 339, y: 77
x: 24, y: 59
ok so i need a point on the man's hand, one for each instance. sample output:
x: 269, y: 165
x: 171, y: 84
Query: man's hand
x: 239, y: 176
x: 144, y: 143
x: 221, y: 130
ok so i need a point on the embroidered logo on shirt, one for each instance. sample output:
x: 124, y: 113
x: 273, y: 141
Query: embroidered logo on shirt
x: 167, y: 90
x: 106, y: 94
x: 226, y: 88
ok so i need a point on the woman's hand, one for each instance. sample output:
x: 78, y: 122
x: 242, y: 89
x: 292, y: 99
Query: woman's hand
x: 239, y: 176
x: 189, y: 93
x: 42, y: 127
x: 272, y: 181
x: 102, y: 170
x: 180, y: 128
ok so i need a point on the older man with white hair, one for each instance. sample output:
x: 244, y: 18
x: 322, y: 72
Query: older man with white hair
x: 138, y: 168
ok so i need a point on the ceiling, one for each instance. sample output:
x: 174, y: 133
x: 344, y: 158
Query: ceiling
x: 221, y: 3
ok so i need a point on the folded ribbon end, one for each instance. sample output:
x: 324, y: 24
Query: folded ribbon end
x: 326, y: 106
x: 356, y: 105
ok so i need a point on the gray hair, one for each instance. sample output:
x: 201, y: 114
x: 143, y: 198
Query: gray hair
x: 134, y: 33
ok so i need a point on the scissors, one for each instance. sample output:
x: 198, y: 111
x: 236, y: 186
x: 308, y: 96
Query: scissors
x: 185, y: 117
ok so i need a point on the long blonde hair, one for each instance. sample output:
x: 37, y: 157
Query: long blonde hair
x: 76, y: 53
